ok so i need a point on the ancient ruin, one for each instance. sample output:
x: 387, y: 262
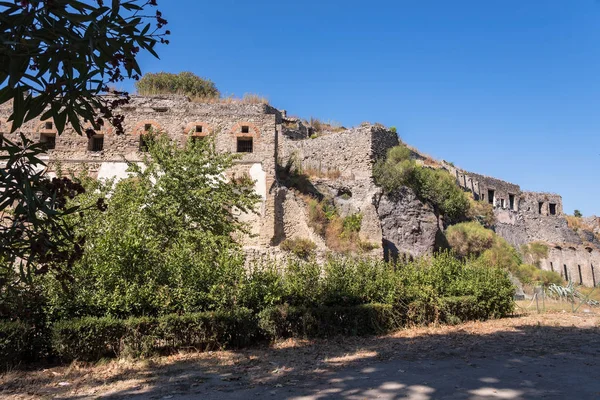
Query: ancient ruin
x: 340, y: 165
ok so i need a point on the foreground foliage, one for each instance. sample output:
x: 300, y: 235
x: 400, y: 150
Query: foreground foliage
x: 164, y: 243
x: 301, y: 299
x: 57, y: 57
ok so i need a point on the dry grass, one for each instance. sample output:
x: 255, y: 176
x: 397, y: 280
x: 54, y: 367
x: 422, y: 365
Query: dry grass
x: 324, y: 220
x: 248, y: 98
x: 578, y: 224
x: 320, y: 126
x: 329, y: 173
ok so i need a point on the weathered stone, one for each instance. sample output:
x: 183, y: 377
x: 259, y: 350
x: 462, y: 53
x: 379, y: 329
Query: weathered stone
x: 408, y: 226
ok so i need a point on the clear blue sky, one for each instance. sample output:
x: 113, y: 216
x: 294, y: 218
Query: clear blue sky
x: 506, y: 88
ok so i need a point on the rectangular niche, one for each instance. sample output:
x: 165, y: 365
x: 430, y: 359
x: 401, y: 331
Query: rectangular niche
x: 244, y: 145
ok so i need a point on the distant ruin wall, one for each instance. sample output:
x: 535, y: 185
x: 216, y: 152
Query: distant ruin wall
x: 578, y: 264
x: 351, y: 153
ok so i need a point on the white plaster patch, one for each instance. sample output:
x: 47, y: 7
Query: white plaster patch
x: 110, y: 170
x: 260, y: 180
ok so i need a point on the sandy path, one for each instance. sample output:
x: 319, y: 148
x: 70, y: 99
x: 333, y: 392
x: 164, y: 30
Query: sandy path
x: 555, y: 356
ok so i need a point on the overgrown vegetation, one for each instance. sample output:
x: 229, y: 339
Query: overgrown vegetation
x: 534, y: 252
x: 183, y: 83
x: 342, y: 296
x: 471, y: 239
x: 159, y: 270
x: 318, y: 126
x: 300, y: 247
x: 481, y: 211
x: 531, y: 275
x: 341, y: 234
x: 435, y: 186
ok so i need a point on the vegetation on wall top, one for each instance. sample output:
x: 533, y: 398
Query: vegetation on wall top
x: 183, y: 83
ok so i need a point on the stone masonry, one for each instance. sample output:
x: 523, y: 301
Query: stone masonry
x: 342, y: 161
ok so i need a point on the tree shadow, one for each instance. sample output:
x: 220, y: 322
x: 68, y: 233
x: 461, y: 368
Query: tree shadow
x: 513, y: 361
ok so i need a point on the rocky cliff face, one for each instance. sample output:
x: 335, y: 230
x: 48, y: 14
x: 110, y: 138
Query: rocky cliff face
x: 408, y: 225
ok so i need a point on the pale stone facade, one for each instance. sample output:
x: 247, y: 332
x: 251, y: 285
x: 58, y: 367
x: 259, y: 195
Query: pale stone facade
x: 342, y: 162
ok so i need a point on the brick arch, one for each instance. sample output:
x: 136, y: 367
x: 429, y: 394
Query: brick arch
x: 190, y: 129
x: 139, y: 128
x: 41, y: 128
x: 253, y: 130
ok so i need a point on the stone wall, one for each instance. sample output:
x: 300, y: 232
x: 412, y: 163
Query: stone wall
x: 351, y: 152
x: 234, y: 127
x: 578, y: 264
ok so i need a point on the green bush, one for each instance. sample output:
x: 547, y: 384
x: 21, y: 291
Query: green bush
x: 164, y: 243
x: 534, y: 252
x: 367, y: 319
x: 352, y: 223
x: 502, y: 255
x: 482, y: 212
x: 21, y: 342
x: 435, y: 186
x: 530, y: 275
x: 184, y: 83
x: 300, y: 247
x: 92, y: 338
x: 470, y: 238
x: 457, y: 309
x: 88, y: 338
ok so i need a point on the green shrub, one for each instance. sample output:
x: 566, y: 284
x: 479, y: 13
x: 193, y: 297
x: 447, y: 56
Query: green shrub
x: 470, y: 238
x: 502, y: 255
x: 534, y: 252
x: 92, y: 338
x: 457, y: 309
x: 367, y: 319
x: 300, y: 247
x: 184, y: 83
x: 482, y: 212
x: 435, y: 186
x: 155, y: 249
x: 21, y: 342
x: 352, y: 222
x: 547, y: 278
x: 531, y: 275
x: 88, y: 338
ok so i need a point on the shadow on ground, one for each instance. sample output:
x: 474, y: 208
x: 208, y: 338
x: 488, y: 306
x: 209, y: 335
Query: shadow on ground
x: 499, y: 360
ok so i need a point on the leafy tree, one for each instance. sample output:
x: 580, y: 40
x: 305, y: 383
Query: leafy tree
x: 578, y: 214
x: 185, y: 83
x: 57, y: 57
x: 56, y: 60
x: 166, y: 240
x: 33, y: 234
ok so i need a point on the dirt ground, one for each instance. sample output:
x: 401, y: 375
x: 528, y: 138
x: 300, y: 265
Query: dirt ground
x: 555, y: 355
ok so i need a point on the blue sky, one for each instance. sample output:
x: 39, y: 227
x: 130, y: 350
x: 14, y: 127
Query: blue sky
x: 509, y: 88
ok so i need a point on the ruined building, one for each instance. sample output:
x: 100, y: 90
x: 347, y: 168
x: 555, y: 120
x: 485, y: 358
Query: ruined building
x: 341, y: 165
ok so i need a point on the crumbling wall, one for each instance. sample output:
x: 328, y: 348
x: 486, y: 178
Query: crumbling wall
x: 351, y: 152
x: 182, y: 120
x: 578, y: 264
